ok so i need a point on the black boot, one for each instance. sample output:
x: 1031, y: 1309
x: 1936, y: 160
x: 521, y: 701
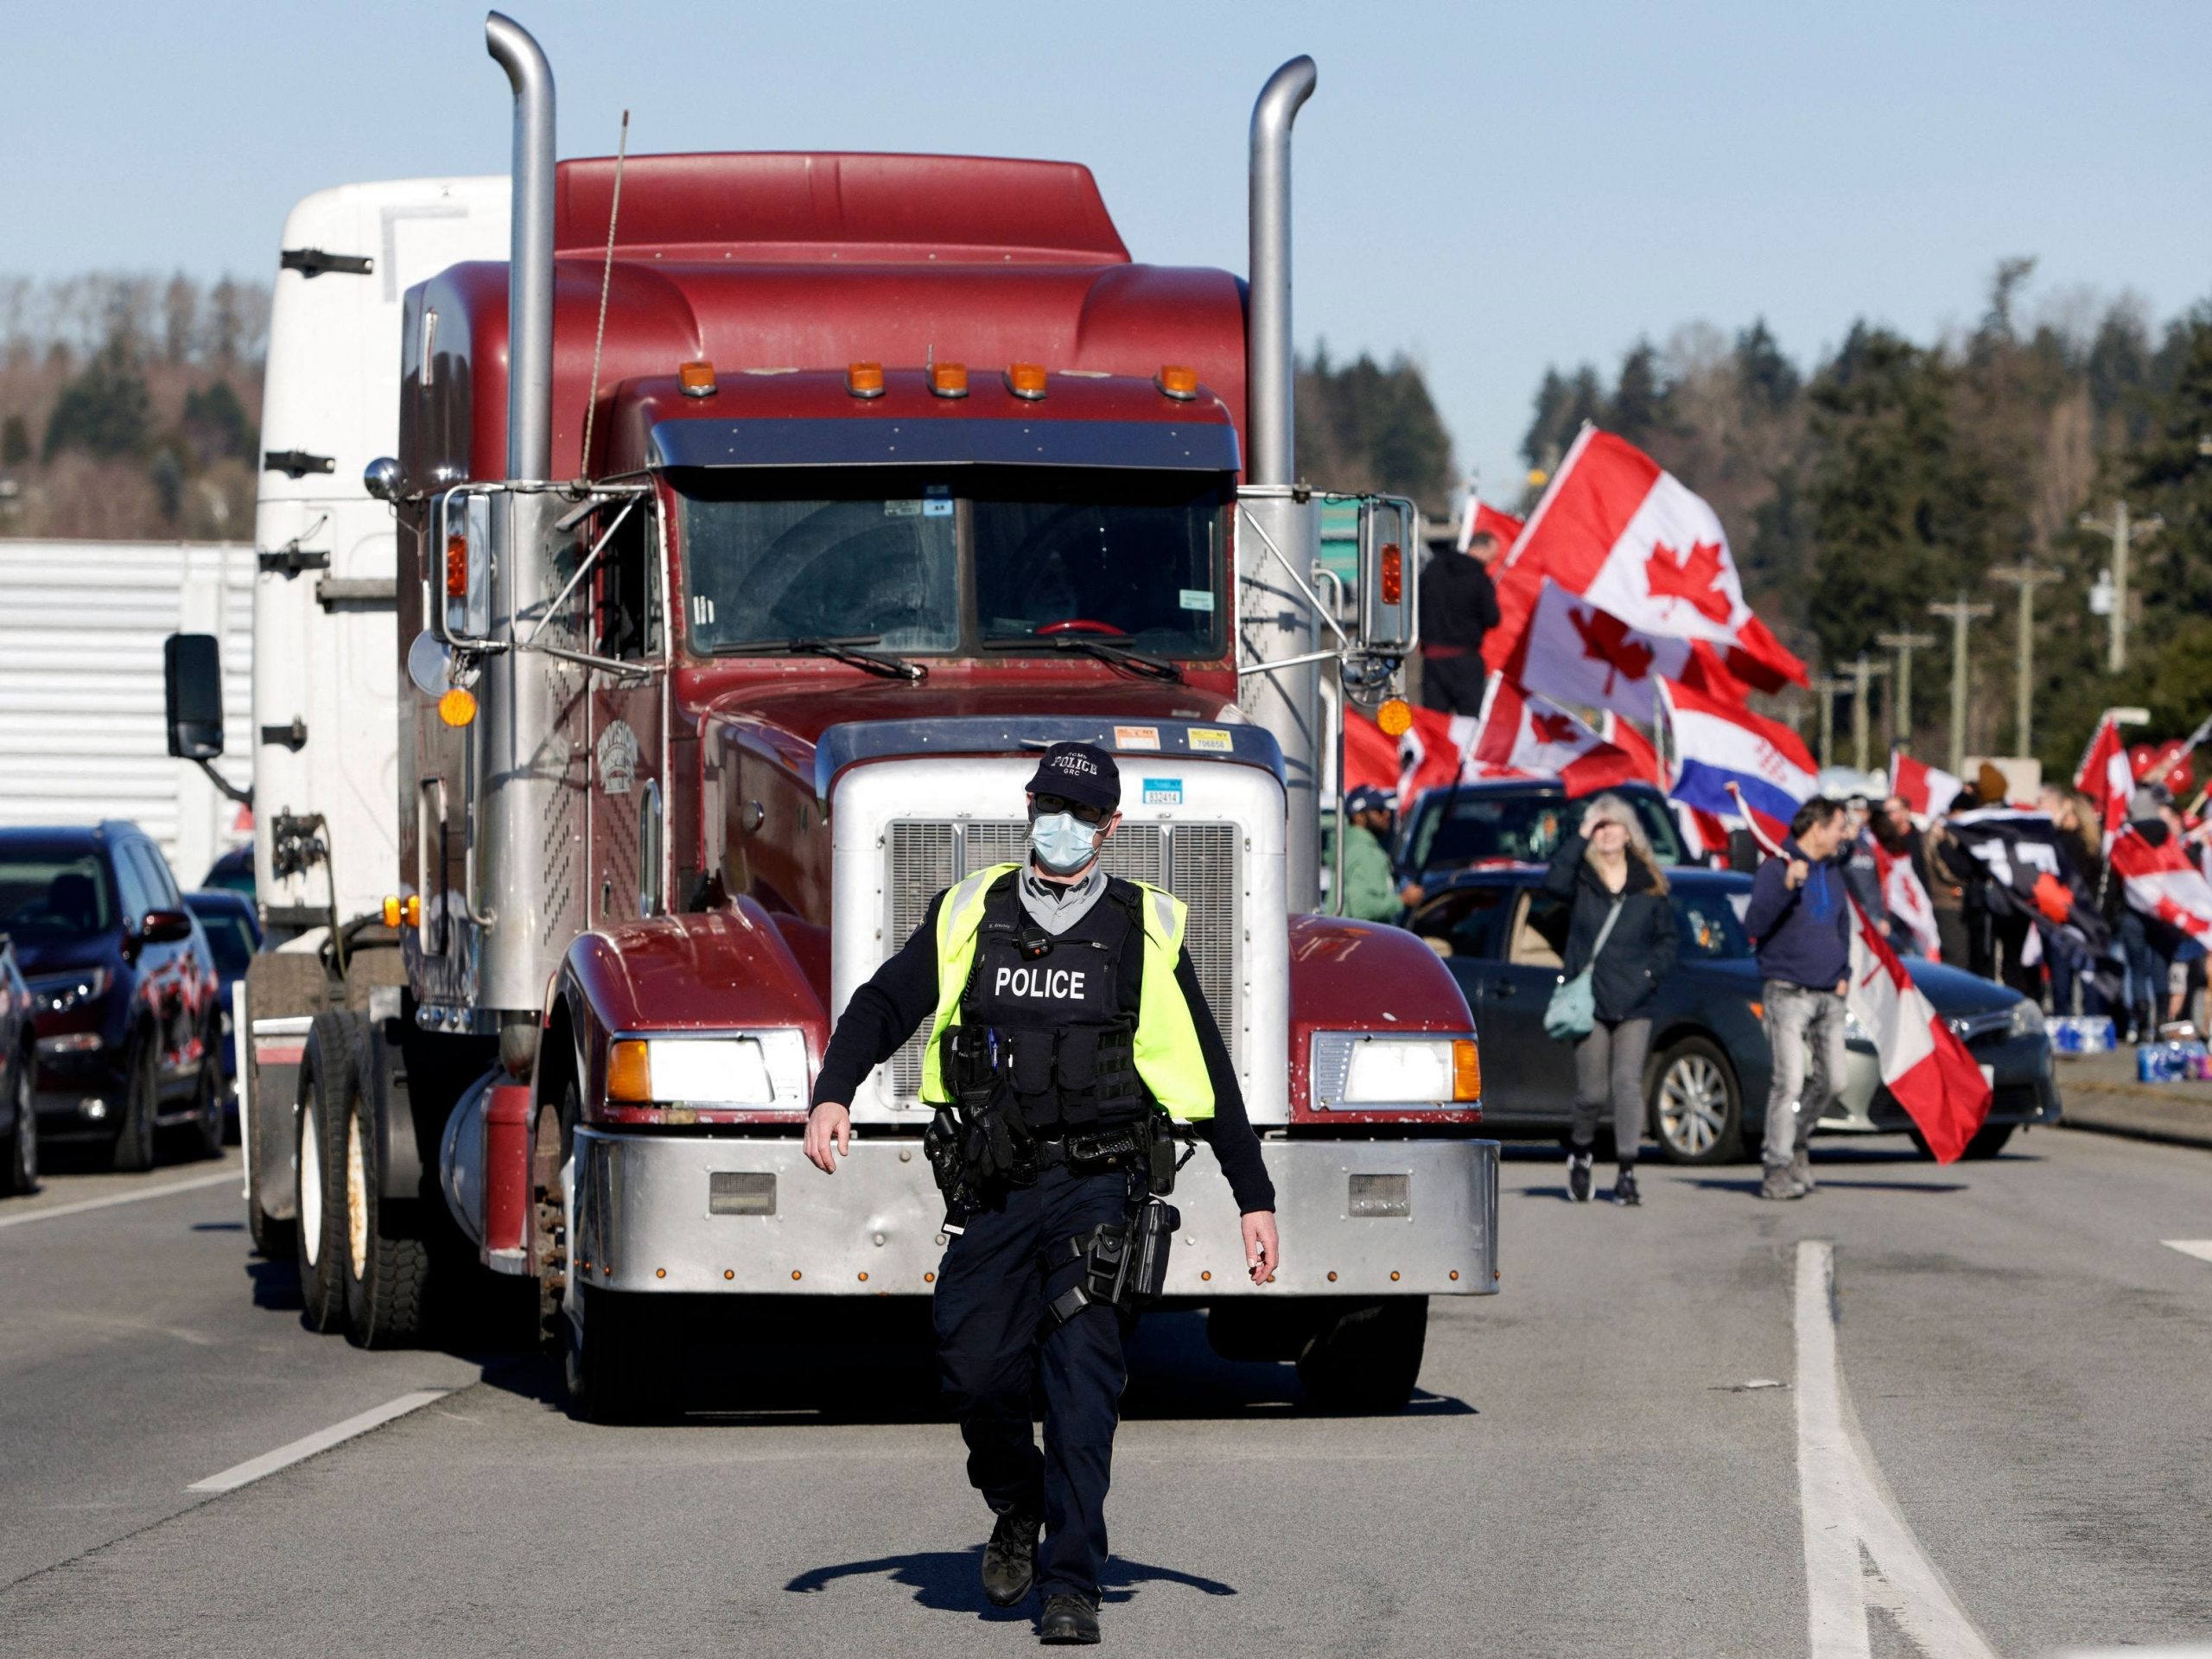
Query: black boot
x: 1624, y: 1186
x: 1070, y: 1619
x: 1010, y: 1559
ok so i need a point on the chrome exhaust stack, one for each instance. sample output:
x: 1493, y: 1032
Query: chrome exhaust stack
x: 529, y: 259
x: 1270, y: 368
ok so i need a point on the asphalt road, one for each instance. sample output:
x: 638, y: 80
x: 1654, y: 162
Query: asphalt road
x: 1666, y: 1437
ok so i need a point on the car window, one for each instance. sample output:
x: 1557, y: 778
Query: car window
x: 229, y: 938
x: 1467, y: 922
x: 1710, y: 929
x: 130, y: 881
x: 50, y: 893
x: 1540, y: 936
x: 159, y: 881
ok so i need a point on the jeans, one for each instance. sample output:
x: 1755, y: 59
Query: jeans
x: 997, y: 1344
x: 1804, y: 1029
x: 1608, y: 1070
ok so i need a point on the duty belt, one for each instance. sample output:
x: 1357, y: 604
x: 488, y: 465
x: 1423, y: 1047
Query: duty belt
x: 1109, y: 1147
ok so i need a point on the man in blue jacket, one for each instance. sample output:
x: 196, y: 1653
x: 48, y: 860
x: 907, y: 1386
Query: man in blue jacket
x: 1800, y: 917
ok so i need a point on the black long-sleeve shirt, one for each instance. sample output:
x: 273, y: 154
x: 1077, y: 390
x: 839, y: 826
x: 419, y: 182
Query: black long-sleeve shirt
x: 891, y: 1006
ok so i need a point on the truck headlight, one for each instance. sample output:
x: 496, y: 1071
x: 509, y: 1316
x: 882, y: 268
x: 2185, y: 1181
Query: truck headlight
x: 757, y: 1070
x: 2027, y: 1018
x: 1358, y: 1068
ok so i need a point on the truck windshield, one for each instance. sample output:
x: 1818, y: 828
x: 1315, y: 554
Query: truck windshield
x: 949, y: 561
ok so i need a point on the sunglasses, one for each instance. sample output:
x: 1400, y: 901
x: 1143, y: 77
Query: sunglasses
x: 1084, y: 812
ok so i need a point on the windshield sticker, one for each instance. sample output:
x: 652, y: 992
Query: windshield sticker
x: 1137, y: 737
x: 1197, y: 598
x: 902, y: 509
x: 1163, y: 791
x: 1210, y: 739
x: 937, y: 501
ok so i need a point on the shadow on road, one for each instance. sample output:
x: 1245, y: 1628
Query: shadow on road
x: 945, y: 1581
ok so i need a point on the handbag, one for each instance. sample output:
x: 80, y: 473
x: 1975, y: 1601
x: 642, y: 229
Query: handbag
x: 1573, y: 1010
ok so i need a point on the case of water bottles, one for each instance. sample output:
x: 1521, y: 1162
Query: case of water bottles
x: 2177, y: 1060
x: 2082, y: 1033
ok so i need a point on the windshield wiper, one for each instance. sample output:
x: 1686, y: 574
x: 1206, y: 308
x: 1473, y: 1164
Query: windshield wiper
x: 1106, y: 651
x: 846, y: 648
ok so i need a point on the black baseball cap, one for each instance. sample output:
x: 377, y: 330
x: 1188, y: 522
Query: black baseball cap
x: 1079, y: 772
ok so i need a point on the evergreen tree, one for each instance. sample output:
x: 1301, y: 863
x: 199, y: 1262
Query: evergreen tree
x: 104, y: 411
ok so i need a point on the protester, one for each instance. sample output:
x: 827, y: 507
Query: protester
x: 1458, y: 606
x: 2147, y: 943
x: 2073, y: 990
x: 1800, y: 920
x: 1370, y: 891
x: 1893, y: 830
x: 1621, y: 927
x: 1862, y: 875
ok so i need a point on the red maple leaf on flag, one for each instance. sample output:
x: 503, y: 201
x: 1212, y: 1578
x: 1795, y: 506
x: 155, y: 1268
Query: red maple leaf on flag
x: 1552, y: 728
x: 1696, y: 577
x: 1607, y: 639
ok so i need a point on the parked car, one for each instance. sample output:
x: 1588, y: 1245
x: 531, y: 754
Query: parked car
x: 233, y: 929
x: 231, y: 873
x: 18, y: 1072
x: 1510, y: 821
x: 123, y: 990
x: 1501, y: 935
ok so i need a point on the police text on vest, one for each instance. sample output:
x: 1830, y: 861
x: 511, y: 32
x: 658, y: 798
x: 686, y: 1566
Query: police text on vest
x: 1060, y: 984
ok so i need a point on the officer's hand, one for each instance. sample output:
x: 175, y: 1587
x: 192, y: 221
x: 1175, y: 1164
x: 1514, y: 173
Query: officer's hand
x: 1263, y: 1250
x: 829, y: 1125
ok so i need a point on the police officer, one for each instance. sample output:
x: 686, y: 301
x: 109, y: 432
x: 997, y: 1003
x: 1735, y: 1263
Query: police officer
x: 1065, y: 999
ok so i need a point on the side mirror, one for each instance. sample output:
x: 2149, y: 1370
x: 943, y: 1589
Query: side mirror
x: 166, y: 927
x: 191, y: 686
x: 380, y: 478
x: 461, y: 563
x: 1387, y: 525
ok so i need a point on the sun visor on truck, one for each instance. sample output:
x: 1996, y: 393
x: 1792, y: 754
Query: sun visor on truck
x: 1192, y: 445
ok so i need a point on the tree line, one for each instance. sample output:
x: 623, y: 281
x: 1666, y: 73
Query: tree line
x: 1896, y: 473
x: 130, y: 406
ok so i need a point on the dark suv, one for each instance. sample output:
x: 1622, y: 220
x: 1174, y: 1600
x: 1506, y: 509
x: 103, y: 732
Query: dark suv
x: 1500, y: 821
x: 126, y: 989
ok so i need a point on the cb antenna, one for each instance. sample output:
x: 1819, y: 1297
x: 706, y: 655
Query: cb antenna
x: 606, y: 281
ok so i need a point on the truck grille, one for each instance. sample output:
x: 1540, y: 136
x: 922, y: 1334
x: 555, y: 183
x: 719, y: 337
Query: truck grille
x: 1199, y: 863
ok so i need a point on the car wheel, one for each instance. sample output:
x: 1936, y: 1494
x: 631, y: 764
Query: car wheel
x: 134, y: 1136
x: 328, y: 1081
x: 21, y: 1173
x: 207, y: 1116
x: 1697, y: 1111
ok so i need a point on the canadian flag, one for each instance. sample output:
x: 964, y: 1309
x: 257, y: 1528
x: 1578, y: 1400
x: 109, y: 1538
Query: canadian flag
x: 1907, y: 897
x: 1434, y: 751
x: 1481, y: 518
x: 1370, y: 754
x: 2163, y: 883
x: 1924, y: 1066
x: 2106, y: 776
x: 1624, y: 737
x: 1616, y: 528
x: 1926, y: 791
x: 1532, y: 735
x: 1574, y: 652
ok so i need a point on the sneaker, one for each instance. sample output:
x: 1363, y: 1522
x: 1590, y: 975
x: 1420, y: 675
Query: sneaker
x: 1578, y: 1177
x: 1010, y: 1559
x: 1068, y: 1619
x: 1800, y: 1171
x: 1776, y: 1184
x: 1624, y: 1186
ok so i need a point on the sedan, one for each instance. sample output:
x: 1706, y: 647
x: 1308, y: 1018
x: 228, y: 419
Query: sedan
x: 1706, y: 1084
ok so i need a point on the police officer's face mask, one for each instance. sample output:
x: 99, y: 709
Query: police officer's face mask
x: 1062, y: 842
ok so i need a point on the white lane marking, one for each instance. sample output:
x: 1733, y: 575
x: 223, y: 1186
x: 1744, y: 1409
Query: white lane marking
x: 321, y: 1441
x: 83, y: 1205
x: 1848, y: 1508
x: 2199, y: 1248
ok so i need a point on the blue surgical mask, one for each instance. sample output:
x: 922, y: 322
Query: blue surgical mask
x: 1062, y: 842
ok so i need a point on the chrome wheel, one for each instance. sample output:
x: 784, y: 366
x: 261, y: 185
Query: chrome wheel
x: 1692, y: 1106
x: 311, y: 1180
x: 357, y: 1197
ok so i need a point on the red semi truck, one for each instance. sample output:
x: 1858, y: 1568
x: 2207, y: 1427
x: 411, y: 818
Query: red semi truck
x: 758, y: 520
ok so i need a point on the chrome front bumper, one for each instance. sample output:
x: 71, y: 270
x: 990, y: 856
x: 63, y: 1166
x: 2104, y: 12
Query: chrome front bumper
x: 666, y: 1213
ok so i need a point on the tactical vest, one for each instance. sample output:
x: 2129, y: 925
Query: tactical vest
x: 1078, y: 1055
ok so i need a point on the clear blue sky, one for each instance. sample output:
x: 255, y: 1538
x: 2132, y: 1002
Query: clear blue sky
x: 1488, y: 188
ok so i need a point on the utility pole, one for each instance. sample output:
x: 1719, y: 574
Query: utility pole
x: 1901, y: 688
x: 1826, y: 687
x: 1863, y: 674
x: 2123, y: 531
x: 1961, y: 613
x: 2026, y: 578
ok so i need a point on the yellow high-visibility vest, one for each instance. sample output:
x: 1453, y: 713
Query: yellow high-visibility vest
x: 1168, y: 1056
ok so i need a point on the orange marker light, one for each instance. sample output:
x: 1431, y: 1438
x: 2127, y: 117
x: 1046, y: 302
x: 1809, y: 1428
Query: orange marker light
x: 697, y: 379
x: 410, y: 910
x: 949, y: 380
x: 1026, y: 380
x: 457, y: 706
x: 629, y: 1077
x: 1176, y: 382
x: 1395, y: 717
x: 456, y: 567
x: 1394, y: 573
x: 390, y: 910
x: 865, y: 380
x: 1466, y: 1071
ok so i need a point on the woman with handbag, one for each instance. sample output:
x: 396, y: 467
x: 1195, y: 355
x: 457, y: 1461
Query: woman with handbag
x: 1621, y: 942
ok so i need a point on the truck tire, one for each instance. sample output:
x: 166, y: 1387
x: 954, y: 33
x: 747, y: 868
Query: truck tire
x: 278, y: 984
x: 617, y: 1365
x: 328, y: 1081
x: 387, y: 1261
x: 1366, y: 1358
x: 142, y: 1099
x: 19, y: 1175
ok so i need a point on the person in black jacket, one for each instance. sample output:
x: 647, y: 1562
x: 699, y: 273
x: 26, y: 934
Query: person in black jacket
x: 1459, y: 606
x: 1606, y: 866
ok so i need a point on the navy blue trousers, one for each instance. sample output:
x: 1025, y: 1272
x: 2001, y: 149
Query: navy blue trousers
x: 997, y: 1344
